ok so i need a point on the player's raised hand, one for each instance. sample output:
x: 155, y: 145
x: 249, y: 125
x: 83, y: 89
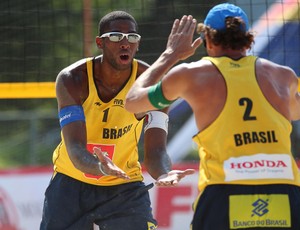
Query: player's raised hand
x: 173, y: 177
x: 180, y: 41
x: 107, y: 167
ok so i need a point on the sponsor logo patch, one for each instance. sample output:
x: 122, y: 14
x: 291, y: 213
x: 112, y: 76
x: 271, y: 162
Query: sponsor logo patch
x: 258, y: 166
x: 151, y: 226
x: 259, y: 210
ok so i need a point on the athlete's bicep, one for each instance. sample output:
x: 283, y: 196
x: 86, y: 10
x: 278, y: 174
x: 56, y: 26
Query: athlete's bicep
x: 174, y: 82
x: 70, y: 87
x: 70, y: 111
x: 295, y: 98
x: 137, y: 101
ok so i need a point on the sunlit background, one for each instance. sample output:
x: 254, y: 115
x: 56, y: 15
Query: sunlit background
x: 38, y: 38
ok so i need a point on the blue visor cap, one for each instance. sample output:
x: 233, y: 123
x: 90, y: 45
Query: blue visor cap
x: 217, y: 15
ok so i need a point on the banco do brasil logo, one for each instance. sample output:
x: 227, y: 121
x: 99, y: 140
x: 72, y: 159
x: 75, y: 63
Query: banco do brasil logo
x: 260, y: 207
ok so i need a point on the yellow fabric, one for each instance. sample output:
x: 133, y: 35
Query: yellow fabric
x: 22, y: 90
x: 110, y: 127
x: 259, y: 210
x: 244, y: 131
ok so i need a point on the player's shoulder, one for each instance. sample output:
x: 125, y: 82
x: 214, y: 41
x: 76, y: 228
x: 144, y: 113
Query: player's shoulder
x: 192, y: 68
x: 265, y: 63
x: 75, y: 70
x: 280, y: 74
x: 142, y: 66
x: 141, y: 62
x: 275, y: 69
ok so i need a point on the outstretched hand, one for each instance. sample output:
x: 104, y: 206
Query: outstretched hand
x: 107, y: 166
x: 180, y: 41
x: 173, y: 177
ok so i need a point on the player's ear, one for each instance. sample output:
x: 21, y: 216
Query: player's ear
x: 208, y: 42
x: 99, y: 42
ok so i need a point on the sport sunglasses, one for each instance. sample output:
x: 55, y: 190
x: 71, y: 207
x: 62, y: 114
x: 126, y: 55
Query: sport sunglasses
x: 118, y: 36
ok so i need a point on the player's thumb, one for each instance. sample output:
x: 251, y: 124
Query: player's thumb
x: 197, y: 43
x: 99, y: 154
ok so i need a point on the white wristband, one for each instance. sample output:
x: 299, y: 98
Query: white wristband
x: 156, y: 119
x: 101, y: 169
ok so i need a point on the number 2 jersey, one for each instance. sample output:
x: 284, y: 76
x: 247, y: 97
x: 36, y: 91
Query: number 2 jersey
x: 110, y: 127
x: 249, y: 142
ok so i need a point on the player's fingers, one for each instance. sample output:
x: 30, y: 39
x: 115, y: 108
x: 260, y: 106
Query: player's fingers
x: 189, y: 171
x: 174, y: 182
x: 97, y: 150
x: 114, y: 170
x: 101, y: 155
x: 167, y: 183
x: 197, y: 43
x: 175, y: 26
x: 123, y: 175
x: 183, y: 24
x: 190, y: 25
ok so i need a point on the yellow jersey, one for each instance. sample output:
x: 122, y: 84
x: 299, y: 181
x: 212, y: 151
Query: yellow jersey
x: 249, y: 142
x: 110, y: 127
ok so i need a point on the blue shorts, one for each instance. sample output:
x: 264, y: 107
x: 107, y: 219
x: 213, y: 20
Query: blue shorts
x: 72, y: 205
x: 246, y: 207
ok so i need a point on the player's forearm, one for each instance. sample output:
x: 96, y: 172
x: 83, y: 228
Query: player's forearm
x: 137, y: 97
x: 180, y: 46
x: 158, y: 165
x: 157, y: 70
x: 84, y: 161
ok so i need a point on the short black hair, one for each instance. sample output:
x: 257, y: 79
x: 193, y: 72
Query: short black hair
x: 113, y: 16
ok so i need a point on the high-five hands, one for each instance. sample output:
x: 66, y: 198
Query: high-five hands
x: 173, y: 177
x: 180, y: 41
x: 107, y: 167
